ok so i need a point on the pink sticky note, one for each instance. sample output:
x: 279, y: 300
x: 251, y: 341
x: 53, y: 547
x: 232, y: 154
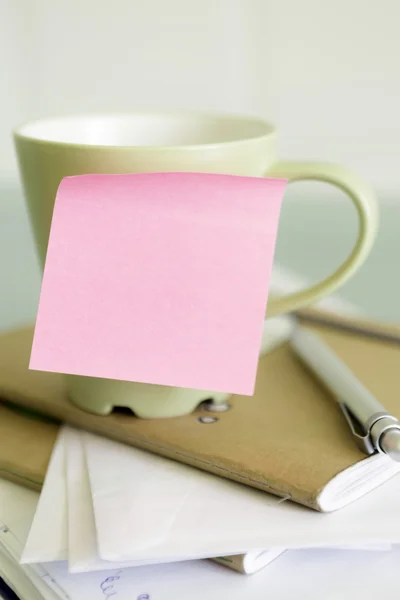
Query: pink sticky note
x: 158, y: 278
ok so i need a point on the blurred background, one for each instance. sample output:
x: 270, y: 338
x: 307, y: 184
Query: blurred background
x: 326, y: 73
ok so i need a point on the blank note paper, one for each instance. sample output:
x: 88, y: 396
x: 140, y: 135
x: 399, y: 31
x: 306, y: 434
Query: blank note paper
x: 158, y: 278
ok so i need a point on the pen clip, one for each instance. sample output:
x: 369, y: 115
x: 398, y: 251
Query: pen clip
x: 360, y: 433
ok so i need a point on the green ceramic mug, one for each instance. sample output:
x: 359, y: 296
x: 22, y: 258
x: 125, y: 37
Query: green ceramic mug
x: 53, y: 148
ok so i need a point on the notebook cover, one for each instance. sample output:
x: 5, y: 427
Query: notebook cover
x: 26, y: 444
x: 289, y: 439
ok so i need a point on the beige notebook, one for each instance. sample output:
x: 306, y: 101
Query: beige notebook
x: 290, y: 438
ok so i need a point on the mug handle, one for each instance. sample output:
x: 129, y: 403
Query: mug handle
x: 366, y: 205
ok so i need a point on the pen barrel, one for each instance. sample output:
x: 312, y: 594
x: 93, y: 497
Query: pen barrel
x: 337, y: 377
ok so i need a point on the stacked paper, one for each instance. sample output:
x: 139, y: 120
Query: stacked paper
x: 304, y: 574
x: 105, y: 505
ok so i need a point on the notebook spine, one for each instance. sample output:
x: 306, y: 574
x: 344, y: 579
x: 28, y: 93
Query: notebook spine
x: 235, y: 562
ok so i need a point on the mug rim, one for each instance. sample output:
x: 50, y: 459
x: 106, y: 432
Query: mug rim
x: 267, y: 129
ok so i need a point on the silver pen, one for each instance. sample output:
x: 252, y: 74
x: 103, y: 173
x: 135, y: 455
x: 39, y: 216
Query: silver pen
x: 373, y: 427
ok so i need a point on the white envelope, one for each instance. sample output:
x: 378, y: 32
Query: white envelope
x: 148, y: 507
x: 48, y: 539
x: 215, y: 517
x: 82, y: 543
